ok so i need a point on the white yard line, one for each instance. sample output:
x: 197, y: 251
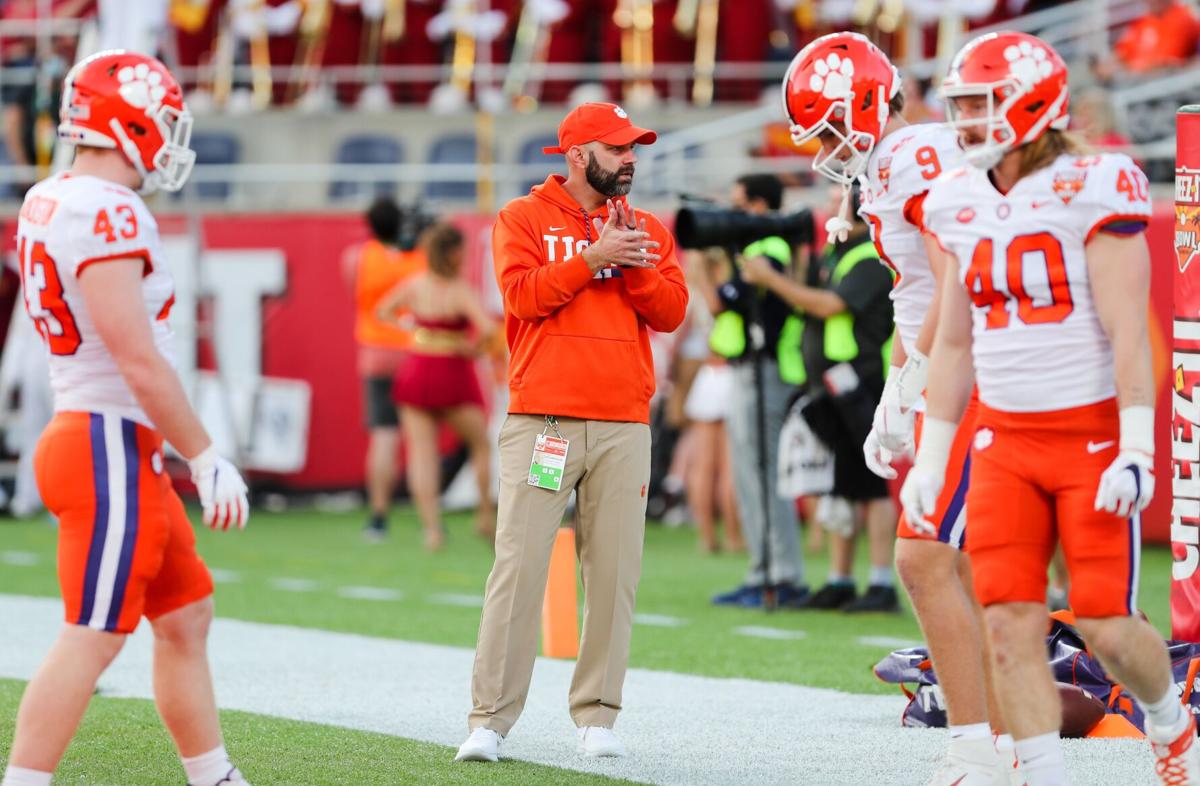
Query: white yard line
x: 682, y: 730
x: 287, y: 584
x: 659, y: 621
x: 464, y: 599
x: 21, y: 559
x: 369, y: 593
x: 888, y: 642
x: 763, y: 632
x: 222, y: 576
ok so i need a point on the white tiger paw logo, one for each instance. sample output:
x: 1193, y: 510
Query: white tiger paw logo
x: 140, y: 87
x: 1028, y: 63
x: 832, y: 76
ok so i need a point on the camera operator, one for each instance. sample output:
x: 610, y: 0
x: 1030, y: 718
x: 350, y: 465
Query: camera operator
x: 739, y: 306
x: 846, y: 338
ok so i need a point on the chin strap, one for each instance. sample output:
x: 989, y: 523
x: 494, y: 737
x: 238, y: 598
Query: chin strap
x: 838, y: 227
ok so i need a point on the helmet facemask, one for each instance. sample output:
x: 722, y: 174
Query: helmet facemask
x: 998, y: 133
x: 174, y: 160
x: 859, y: 144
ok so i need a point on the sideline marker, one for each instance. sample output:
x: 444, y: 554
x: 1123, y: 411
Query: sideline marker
x: 560, y: 610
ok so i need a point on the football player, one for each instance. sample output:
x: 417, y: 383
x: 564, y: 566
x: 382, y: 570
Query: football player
x: 98, y: 290
x: 1045, y: 310
x: 842, y: 91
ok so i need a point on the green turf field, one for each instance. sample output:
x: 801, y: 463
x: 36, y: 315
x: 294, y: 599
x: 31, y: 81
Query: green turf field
x: 433, y: 597
x: 122, y: 742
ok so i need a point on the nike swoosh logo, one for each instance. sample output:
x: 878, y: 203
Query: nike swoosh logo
x: 556, y: 229
x: 1096, y: 447
x: 1037, y: 204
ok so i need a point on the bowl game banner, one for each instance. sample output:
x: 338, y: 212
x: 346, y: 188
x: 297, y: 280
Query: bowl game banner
x: 1185, y: 364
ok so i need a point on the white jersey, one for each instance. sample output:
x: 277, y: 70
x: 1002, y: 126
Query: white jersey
x: 1038, y: 342
x: 902, y: 168
x: 67, y: 223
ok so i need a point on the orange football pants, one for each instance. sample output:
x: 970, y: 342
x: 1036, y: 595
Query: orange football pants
x: 1033, y: 484
x: 125, y: 545
x: 951, y: 513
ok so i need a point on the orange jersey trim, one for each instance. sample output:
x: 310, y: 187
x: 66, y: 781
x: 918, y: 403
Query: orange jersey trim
x: 1114, y: 217
x: 141, y: 253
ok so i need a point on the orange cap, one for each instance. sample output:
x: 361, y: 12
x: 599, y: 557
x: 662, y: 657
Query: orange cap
x: 597, y: 122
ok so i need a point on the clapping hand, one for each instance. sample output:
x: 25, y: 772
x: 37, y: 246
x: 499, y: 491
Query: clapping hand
x: 621, y: 241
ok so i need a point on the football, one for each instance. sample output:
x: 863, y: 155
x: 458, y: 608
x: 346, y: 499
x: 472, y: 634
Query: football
x: 1081, y: 711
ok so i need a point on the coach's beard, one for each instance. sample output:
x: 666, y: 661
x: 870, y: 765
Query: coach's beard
x: 610, y: 184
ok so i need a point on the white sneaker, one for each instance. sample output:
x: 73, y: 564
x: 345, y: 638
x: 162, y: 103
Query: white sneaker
x: 482, y: 745
x: 1008, y: 772
x: 969, y: 763
x: 1177, y: 763
x: 599, y: 741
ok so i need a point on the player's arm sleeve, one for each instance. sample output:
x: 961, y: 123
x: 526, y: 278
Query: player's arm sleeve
x: 659, y: 294
x: 107, y: 226
x: 1115, y: 197
x: 531, y: 287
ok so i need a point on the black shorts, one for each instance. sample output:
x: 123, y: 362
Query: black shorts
x: 851, y: 477
x: 379, y: 411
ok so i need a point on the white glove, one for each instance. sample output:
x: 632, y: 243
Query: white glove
x: 878, y: 458
x: 1127, y: 486
x: 893, y: 421
x: 911, y: 379
x: 919, y: 494
x: 892, y: 424
x: 222, y: 490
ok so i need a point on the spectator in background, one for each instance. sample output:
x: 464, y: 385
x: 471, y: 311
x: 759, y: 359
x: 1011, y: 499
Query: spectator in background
x: 1092, y: 114
x: 1166, y: 36
x: 372, y: 270
x: 436, y: 382
x: 732, y: 338
x: 705, y: 404
x: 847, y: 329
x: 17, y: 93
x: 24, y: 97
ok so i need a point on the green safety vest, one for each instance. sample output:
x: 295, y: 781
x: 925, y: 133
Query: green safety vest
x: 840, y: 345
x: 728, y: 336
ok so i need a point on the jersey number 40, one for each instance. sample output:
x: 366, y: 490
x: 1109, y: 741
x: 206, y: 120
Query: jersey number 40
x: 44, y: 299
x: 993, y: 296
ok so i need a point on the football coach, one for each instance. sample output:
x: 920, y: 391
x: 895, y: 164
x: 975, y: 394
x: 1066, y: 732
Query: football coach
x: 584, y: 277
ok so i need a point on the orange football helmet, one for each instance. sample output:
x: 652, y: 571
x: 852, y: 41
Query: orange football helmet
x: 130, y: 102
x: 840, y: 83
x: 1025, y: 83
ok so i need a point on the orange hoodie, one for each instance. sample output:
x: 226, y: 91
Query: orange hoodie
x: 578, y: 340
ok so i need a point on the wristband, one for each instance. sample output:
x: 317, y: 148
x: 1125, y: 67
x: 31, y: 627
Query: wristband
x: 1137, y: 429
x: 893, y: 376
x: 937, y: 436
x: 203, y: 459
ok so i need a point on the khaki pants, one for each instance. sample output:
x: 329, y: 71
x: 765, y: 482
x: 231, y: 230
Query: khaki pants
x: 609, y: 466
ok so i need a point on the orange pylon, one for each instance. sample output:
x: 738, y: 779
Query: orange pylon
x: 560, y: 610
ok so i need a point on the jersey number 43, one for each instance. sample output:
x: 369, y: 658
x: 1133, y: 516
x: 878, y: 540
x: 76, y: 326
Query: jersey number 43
x: 44, y: 299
